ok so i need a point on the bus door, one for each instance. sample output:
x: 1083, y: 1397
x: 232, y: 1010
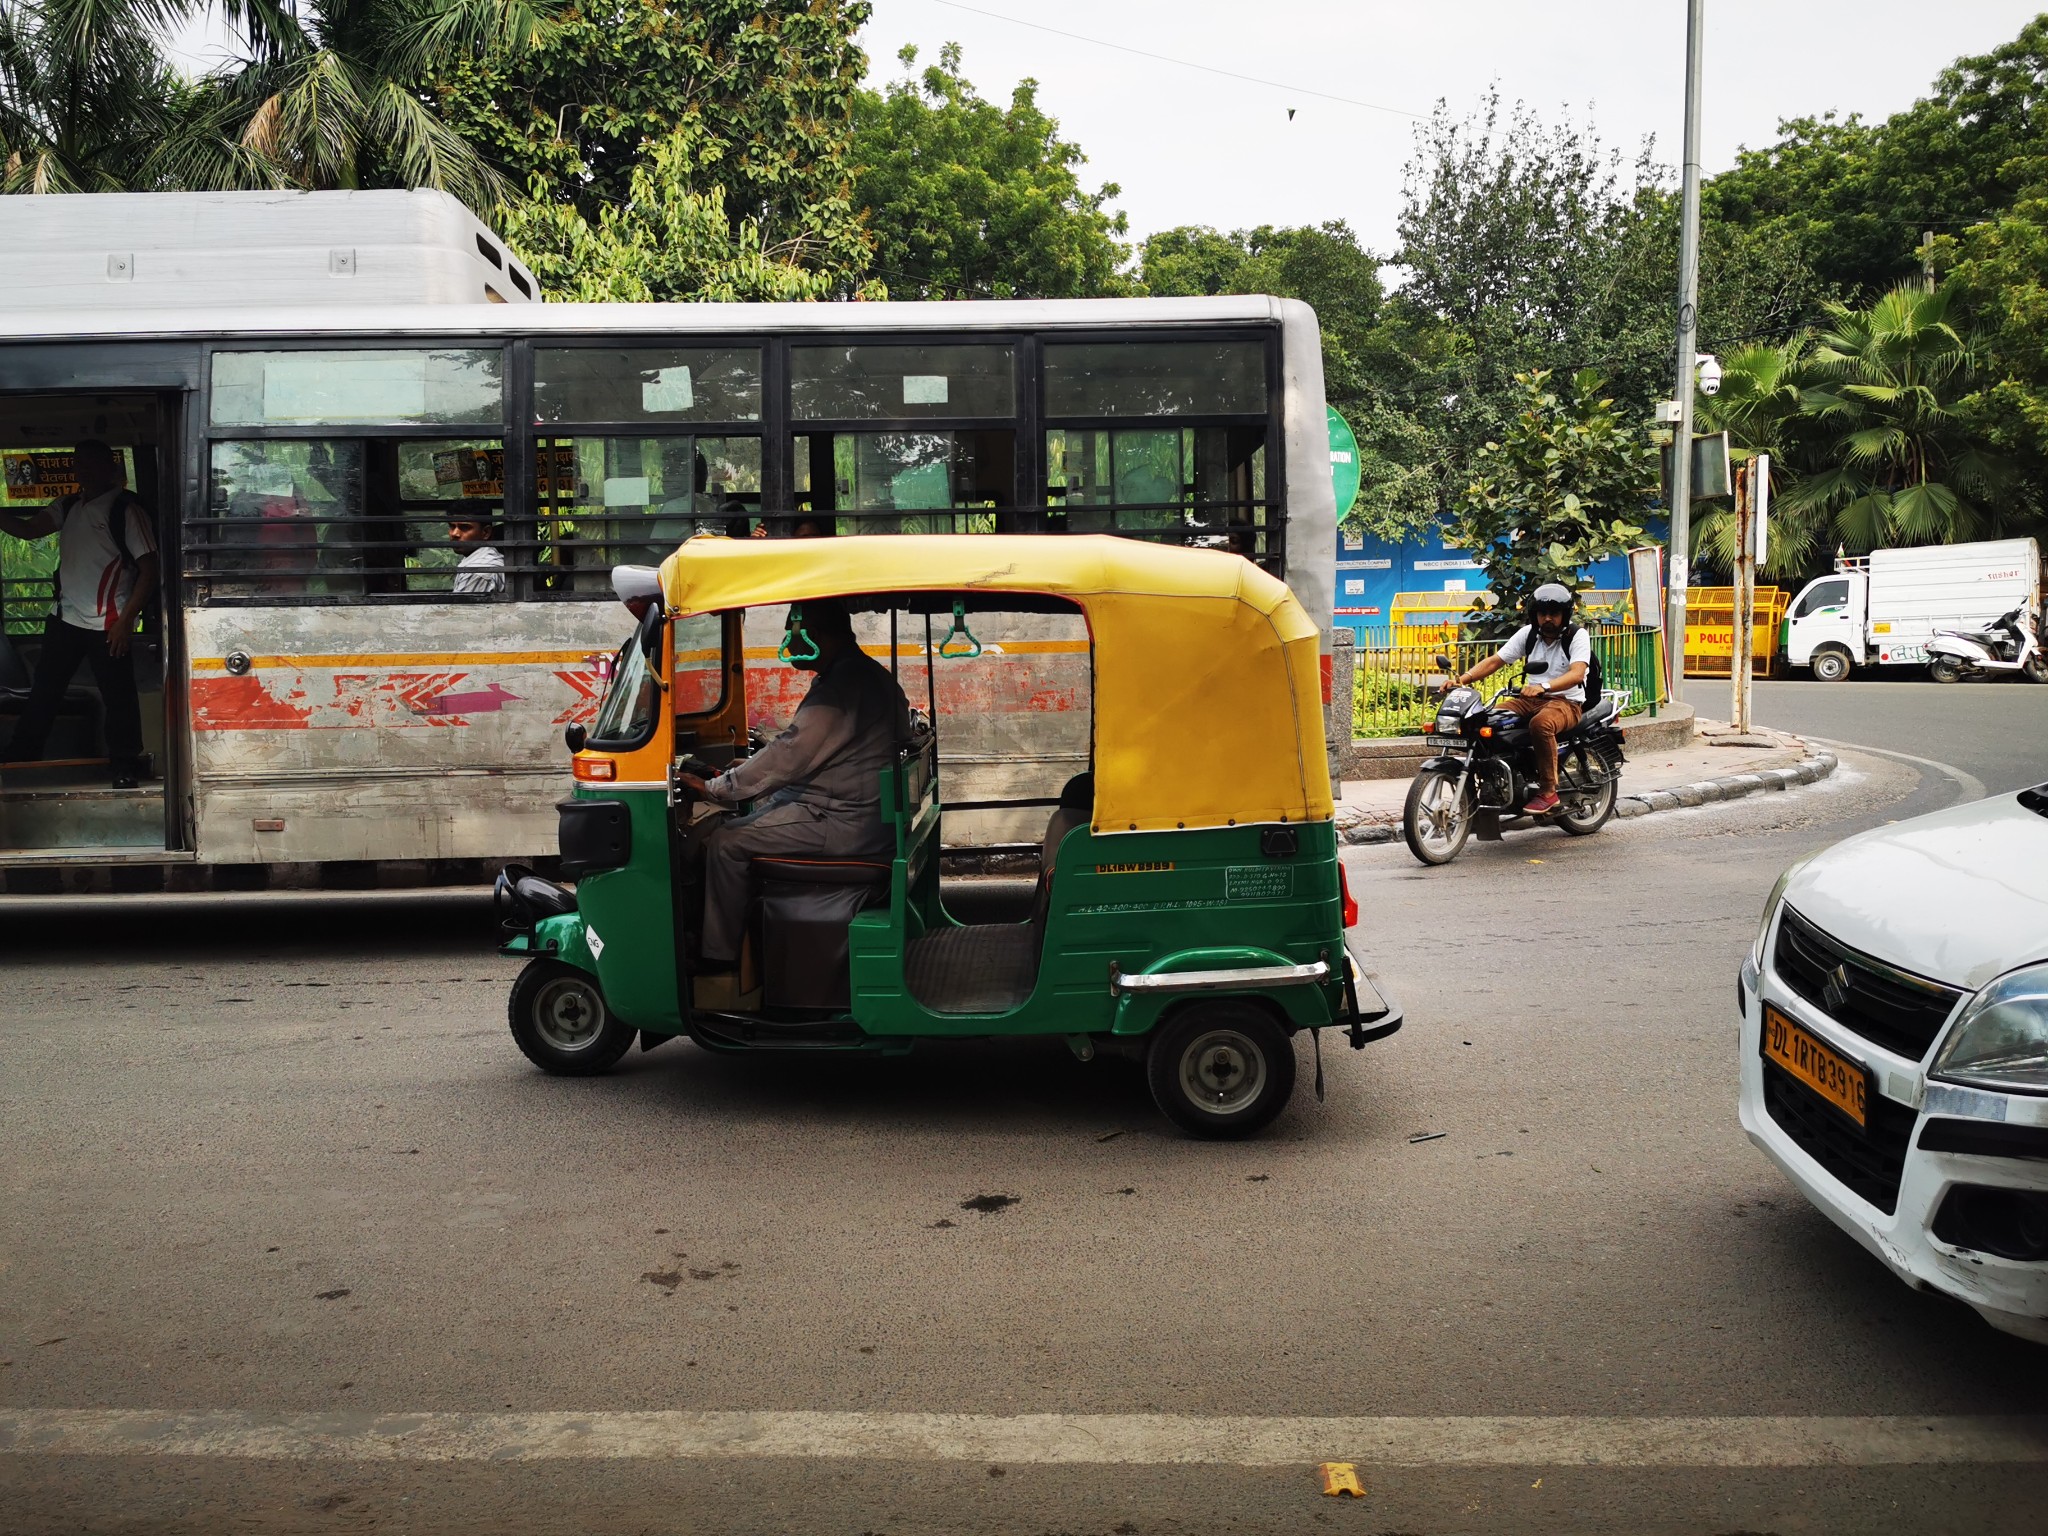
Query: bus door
x: 86, y: 734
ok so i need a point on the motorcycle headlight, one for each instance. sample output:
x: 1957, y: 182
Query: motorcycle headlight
x: 2001, y: 1039
x: 1756, y: 948
x: 1449, y: 725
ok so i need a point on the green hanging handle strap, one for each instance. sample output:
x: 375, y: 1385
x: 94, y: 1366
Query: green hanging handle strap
x: 960, y: 631
x: 796, y: 627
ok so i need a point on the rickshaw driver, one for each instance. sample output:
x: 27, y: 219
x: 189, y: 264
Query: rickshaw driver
x: 817, y: 786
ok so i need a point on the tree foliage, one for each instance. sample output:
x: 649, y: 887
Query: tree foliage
x: 968, y: 200
x: 1565, y: 486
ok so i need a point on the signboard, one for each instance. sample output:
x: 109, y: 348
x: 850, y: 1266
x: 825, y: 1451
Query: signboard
x: 39, y: 476
x: 481, y: 471
x: 1343, y: 463
x: 1713, y: 478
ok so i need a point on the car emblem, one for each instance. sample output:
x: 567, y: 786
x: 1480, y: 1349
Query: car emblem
x: 1836, y: 991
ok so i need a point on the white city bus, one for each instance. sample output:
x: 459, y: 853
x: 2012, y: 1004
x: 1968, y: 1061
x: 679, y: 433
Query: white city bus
x: 324, y: 708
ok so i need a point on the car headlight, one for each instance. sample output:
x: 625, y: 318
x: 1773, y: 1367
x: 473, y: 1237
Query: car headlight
x: 2001, y: 1040
x: 1756, y: 948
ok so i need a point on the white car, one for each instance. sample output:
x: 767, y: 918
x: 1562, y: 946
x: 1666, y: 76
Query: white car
x: 1895, y: 1048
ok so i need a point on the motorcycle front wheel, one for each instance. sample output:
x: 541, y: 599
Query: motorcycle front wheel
x: 1437, y: 818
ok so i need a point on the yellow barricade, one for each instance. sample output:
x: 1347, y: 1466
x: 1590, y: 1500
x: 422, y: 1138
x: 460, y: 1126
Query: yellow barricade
x: 1437, y: 618
x: 1710, y: 630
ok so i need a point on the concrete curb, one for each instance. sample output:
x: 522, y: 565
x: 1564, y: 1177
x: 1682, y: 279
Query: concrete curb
x: 1733, y: 786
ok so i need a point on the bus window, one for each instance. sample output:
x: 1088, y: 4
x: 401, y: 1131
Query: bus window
x: 618, y: 384
x: 1198, y: 485
x: 358, y: 386
x: 1155, y: 378
x: 439, y: 481
x: 907, y: 482
x: 288, y: 518
x: 901, y: 383
x: 631, y: 500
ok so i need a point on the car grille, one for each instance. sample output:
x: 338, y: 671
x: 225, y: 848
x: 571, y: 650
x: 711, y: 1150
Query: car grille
x: 1885, y: 1006
x: 1870, y: 1160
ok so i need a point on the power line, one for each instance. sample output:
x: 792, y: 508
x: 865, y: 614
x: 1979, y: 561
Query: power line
x: 1209, y: 69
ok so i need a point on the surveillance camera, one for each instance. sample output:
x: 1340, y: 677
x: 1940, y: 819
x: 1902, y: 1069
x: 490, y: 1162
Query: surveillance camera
x: 1709, y: 373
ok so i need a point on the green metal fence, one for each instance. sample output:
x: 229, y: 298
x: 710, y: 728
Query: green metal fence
x: 1395, y: 687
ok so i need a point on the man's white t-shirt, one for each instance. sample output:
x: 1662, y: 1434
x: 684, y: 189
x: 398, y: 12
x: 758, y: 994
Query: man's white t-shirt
x: 481, y: 573
x: 1548, y: 659
x: 94, y: 581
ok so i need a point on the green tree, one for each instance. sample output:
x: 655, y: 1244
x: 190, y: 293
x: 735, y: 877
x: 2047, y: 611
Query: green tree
x: 1761, y: 407
x: 2000, y: 269
x: 969, y: 200
x: 88, y: 103
x: 1565, y: 485
x: 747, y: 100
x: 1858, y: 197
x: 660, y: 243
x: 1899, y: 463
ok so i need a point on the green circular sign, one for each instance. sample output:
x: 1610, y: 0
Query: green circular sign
x: 1343, y: 462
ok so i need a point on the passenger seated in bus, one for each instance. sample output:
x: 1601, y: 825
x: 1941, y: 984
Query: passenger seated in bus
x: 106, y: 572
x: 816, y: 788
x: 482, y: 571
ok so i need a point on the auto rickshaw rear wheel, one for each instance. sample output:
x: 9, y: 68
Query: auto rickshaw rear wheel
x: 1221, y: 1069
x: 559, y: 1019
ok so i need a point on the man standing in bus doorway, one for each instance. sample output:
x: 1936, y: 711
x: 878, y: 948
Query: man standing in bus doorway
x: 106, y: 572
x: 482, y: 570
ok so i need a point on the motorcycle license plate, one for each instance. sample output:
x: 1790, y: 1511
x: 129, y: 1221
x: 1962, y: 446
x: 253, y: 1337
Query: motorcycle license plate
x: 1444, y: 741
x: 1842, y: 1082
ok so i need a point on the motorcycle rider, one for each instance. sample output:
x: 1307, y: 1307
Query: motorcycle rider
x: 1553, y: 697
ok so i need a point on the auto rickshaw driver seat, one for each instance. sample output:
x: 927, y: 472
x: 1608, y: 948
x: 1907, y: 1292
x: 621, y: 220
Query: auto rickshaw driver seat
x: 806, y: 906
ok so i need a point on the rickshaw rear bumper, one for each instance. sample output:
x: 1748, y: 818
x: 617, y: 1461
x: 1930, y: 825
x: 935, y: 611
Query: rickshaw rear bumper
x: 1364, y: 1025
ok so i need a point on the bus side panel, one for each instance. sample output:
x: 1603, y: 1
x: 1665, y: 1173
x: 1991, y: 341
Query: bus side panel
x: 427, y: 731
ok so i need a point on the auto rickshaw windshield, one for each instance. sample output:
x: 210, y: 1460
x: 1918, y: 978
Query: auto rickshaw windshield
x: 626, y: 717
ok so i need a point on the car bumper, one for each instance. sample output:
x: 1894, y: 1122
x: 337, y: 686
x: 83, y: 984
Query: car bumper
x: 2010, y: 1294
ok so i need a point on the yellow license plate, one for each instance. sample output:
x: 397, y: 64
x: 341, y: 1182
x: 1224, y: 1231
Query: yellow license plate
x: 1842, y: 1082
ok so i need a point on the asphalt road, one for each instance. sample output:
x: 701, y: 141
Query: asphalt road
x: 1996, y: 732
x: 283, y: 1159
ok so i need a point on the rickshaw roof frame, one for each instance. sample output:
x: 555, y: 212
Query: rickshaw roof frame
x: 1207, y: 671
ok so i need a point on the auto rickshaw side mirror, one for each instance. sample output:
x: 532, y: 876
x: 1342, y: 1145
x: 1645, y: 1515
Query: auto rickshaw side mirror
x: 1443, y: 663
x: 574, y: 736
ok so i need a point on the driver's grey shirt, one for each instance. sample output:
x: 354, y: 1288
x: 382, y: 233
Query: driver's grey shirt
x: 1554, y: 657
x: 844, y: 734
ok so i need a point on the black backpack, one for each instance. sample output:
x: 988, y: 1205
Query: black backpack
x: 1593, y: 682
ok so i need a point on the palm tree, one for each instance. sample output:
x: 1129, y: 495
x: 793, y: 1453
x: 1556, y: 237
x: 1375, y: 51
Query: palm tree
x: 1896, y: 463
x: 335, y: 93
x: 88, y: 103
x: 1759, y: 407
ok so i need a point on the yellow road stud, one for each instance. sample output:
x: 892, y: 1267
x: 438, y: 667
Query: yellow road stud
x: 1341, y: 1477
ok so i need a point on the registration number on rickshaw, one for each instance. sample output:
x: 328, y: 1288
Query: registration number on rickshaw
x: 1842, y: 1082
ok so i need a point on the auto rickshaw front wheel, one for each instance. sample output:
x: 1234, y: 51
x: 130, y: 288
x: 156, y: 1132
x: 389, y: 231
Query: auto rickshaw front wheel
x: 1221, y: 1069
x: 559, y: 1019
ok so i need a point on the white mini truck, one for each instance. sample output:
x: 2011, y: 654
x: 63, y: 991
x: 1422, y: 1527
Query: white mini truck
x: 1881, y: 609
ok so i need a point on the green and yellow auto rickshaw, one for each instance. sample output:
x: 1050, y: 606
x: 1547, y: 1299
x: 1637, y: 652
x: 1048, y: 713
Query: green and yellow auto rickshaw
x: 1187, y: 904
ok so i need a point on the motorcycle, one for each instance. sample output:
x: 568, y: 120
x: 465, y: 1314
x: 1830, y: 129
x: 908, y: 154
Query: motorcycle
x: 2010, y: 643
x: 1486, y: 771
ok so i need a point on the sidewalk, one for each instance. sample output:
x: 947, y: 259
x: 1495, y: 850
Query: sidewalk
x: 1653, y: 779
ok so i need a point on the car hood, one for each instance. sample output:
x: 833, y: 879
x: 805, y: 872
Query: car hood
x: 1960, y: 896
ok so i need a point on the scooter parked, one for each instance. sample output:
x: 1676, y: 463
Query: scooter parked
x: 2010, y: 643
x: 1486, y: 770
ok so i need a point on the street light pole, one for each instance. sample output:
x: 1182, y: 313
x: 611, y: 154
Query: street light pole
x: 1688, y: 338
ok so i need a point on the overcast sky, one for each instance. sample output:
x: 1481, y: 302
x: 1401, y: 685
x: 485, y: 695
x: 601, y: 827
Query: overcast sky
x: 1192, y: 147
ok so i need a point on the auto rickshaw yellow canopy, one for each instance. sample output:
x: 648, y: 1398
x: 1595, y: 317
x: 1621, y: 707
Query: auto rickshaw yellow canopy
x: 1207, y: 686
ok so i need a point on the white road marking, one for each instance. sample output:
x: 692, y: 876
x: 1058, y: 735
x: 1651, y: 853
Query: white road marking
x: 1025, y: 1439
